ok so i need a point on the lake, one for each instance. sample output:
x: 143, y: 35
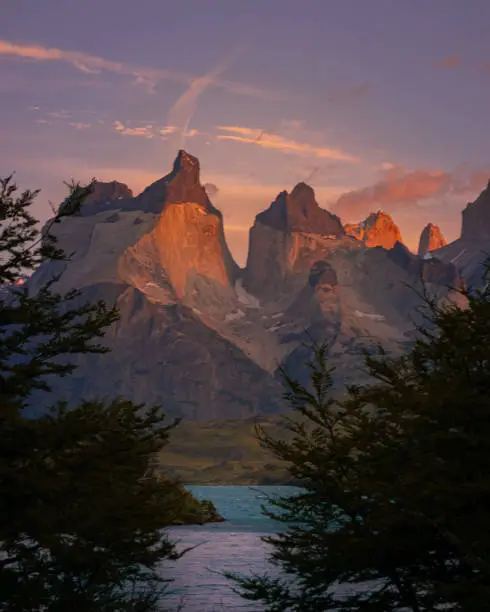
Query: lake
x: 232, y: 546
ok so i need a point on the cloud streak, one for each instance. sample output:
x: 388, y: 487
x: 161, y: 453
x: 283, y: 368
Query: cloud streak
x: 93, y: 65
x: 167, y: 130
x: 146, y: 131
x: 185, y: 107
x: 269, y: 140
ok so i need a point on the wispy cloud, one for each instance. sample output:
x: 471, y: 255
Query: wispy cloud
x: 211, y: 189
x: 186, y: 105
x: 62, y: 114
x: 451, y: 61
x: 269, y: 140
x: 146, y: 131
x: 236, y: 129
x: 79, y: 125
x: 149, y: 77
x: 167, y: 130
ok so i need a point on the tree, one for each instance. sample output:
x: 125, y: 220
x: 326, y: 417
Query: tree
x: 82, y: 506
x: 395, y: 478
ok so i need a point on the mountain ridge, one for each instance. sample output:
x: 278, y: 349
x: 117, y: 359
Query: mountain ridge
x: 206, y: 338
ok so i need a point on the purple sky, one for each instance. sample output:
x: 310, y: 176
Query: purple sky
x: 377, y: 104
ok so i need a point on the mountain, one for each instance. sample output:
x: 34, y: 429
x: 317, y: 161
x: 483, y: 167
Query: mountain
x: 476, y: 218
x: 157, y: 256
x: 202, y: 336
x: 378, y: 229
x: 472, y: 248
x: 280, y: 233
x: 431, y: 239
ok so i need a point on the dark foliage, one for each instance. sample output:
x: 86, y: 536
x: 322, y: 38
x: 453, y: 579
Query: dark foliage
x: 82, y: 507
x: 396, y: 479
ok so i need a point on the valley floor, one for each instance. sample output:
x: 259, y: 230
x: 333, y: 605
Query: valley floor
x: 223, y: 453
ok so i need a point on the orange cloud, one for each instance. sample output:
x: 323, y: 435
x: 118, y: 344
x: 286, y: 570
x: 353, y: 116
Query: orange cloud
x: 168, y: 129
x: 239, y: 130
x: 92, y: 64
x: 274, y: 141
x: 400, y: 188
x: 452, y: 61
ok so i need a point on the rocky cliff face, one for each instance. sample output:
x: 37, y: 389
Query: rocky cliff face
x: 471, y: 249
x: 431, y: 239
x: 285, y: 238
x: 476, y: 218
x: 299, y: 211
x: 204, y: 338
x: 376, y: 230
x: 187, y: 247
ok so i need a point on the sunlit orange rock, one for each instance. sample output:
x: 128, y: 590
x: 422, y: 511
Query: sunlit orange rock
x: 431, y: 239
x: 378, y: 229
x: 187, y: 244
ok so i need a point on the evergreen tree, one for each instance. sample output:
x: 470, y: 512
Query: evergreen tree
x: 82, y: 507
x: 393, y: 514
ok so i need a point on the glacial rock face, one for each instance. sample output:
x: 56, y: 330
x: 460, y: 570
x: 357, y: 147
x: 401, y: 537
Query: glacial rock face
x: 285, y: 238
x: 163, y: 353
x: 469, y: 252
x: 104, y: 196
x: 431, y: 239
x: 431, y: 270
x: 336, y: 287
x: 156, y: 256
x: 476, y: 218
x: 204, y: 338
x: 376, y: 230
x: 187, y: 242
x: 299, y: 211
x: 103, y: 192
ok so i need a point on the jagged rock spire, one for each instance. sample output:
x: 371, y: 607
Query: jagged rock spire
x: 299, y: 211
x: 378, y: 229
x: 431, y: 239
x: 181, y: 185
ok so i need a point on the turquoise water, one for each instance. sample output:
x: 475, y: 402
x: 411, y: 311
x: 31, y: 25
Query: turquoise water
x: 231, y: 546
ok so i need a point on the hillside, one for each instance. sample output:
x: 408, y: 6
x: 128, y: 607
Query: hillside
x: 223, y: 452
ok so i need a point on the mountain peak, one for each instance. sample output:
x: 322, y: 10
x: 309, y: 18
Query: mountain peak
x: 184, y: 162
x: 111, y: 190
x: 299, y: 211
x: 181, y: 185
x: 303, y: 190
x: 431, y: 239
x: 378, y: 229
x: 105, y: 196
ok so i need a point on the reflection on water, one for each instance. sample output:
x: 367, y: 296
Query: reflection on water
x: 231, y: 546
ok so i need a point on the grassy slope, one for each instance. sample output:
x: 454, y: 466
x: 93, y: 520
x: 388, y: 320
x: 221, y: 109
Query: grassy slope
x: 223, y: 452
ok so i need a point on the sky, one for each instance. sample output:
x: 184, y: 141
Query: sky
x: 379, y: 104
